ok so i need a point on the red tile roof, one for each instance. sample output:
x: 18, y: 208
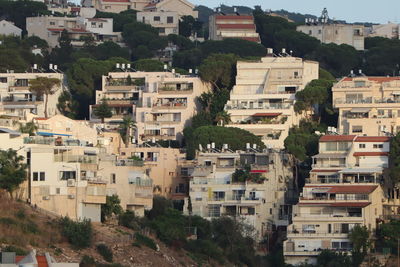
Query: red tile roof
x: 370, y: 154
x: 236, y: 26
x: 75, y: 9
x: 336, y: 138
x: 318, y: 170
x: 372, y: 139
x: 42, y: 262
x: 251, y: 39
x: 55, y: 29
x: 336, y: 204
x: 41, y: 119
x: 266, y: 114
x: 240, y: 17
x: 375, y: 79
x: 97, y: 19
x: 352, y: 189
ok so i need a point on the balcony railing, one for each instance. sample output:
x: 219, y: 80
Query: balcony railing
x: 75, y: 158
x: 129, y: 162
x: 276, y: 106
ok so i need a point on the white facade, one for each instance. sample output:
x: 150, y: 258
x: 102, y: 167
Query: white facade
x: 161, y: 103
x: 17, y: 100
x: 336, y: 33
x: 8, y: 28
x: 167, y: 22
x: 262, y: 101
x: 223, y: 26
x: 262, y: 202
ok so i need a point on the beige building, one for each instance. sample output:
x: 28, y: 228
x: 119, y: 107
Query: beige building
x: 167, y: 168
x: 223, y: 26
x: 182, y: 7
x: 262, y: 101
x: 17, y: 100
x: 167, y: 22
x: 161, y: 103
x: 262, y: 201
x: 349, y: 34
x: 343, y: 191
x: 368, y: 105
x: 50, y: 28
x: 389, y: 30
x: 116, y: 6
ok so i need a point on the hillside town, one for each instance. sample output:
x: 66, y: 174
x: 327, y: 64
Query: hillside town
x: 241, y: 136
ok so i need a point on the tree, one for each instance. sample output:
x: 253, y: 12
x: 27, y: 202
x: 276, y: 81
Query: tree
x: 29, y: 128
x: 127, y: 124
x: 359, y: 237
x: 388, y: 235
x: 394, y: 160
x: 103, y: 110
x: 223, y: 118
x: 219, y: 70
x: 189, y: 25
x: 43, y: 86
x: 112, y: 206
x: 148, y: 65
x: 12, y: 170
x: 333, y: 259
x: 79, y: 234
x: 315, y: 93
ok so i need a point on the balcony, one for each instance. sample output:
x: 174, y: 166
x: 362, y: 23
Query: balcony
x: 129, y: 162
x: 175, y: 88
x: 75, y: 158
x: 158, y: 106
x: 264, y: 106
x: 163, y: 122
x: 18, y: 88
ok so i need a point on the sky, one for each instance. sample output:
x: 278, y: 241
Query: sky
x: 350, y: 10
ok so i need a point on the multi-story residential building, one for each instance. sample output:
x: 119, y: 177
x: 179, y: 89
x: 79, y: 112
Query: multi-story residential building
x: 161, y: 103
x: 8, y: 28
x: 17, y: 100
x: 350, y: 34
x: 262, y: 101
x: 389, y: 30
x: 262, y: 198
x: 50, y: 28
x: 167, y: 168
x: 368, y: 105
x: 116, y: 6
x: 181, y: 7
x: 344, y: 190
x: 167, y: 22
x: 223, y: 26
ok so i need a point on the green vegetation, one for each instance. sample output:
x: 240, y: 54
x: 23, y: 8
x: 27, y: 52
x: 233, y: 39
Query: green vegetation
x: 394, y: 160
x: 105, y: 252
x: 125, y: 129
x: 78, y: 234
x: 111, y: 207
x: 388, y: 235
x: 146, y: 241
x: 103, y: 110
x: 148, y: 65
x: 43, y: 86
x: 12, y: 170
x: 29, y: 128
x: 243, y: 175
x: 119, y: 19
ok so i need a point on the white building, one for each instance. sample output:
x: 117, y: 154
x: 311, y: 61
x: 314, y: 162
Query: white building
x: 167, y: 22
x: 343, y: 191
x: 389, y: 30
x: 262, y: 101
x: 263, y: 200
x: 8, y: 28
x: 17, y: 100
x: 161, y: 103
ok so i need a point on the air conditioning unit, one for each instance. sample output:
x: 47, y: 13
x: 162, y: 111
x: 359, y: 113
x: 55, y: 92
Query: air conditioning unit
x: 71, y: 196
x: 71, y: 182
x: 46, y: 197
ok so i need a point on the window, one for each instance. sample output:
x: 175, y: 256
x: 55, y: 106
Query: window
x: 52, y: 23
x: 357, y: 129
x: 381, y: 112
x: 207, y: 162
x: 170, y: 19
x: 4, y: 80
x: 359, y: 83
x: 93, y: 24
x: 100, y: 25
x: 113, y: 178
x: 58, y: 191
x: 319, y: 31
x: 361, y: 146
x: 161, y: 30
x: 65, y: 175
x: 42, y: 176
x: 156, y: 18
x: 310, y: 32
x: 35, y: 176
x: 378, y: 145
x: 296, y: 74
x: 38, y: 176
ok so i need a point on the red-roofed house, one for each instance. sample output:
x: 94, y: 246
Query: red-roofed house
x: 233, y: 26
x: 368, y: 105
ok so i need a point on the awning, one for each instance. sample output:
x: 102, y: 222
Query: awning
x: 266, y: 114
x: 258, y: 171
x: 18, y: 106
x: 362, y: 170
x: 360, y: 110
x: 90, y: 152
x: 330, y: 155
x: 9, y: 131
x: 51, y: 134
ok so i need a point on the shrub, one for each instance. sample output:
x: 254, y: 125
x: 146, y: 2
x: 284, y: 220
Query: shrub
x: 79, y: 234
x: 129, y: 220
x: 87, y: 261
x: 144, y: 240
x: 105, y: 252
x: 19, y: 251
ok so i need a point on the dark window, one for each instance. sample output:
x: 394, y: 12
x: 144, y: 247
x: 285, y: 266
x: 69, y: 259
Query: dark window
x: 161, y: 30
x: 65, y: 175
x: 113, y: 179
x: 156, y: 18
x: 170, y: 19
x: 35, y: 176
x: 42, y: 176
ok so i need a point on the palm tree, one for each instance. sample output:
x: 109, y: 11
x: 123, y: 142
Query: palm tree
x: 223, y: 118
x: 44, y: 86
x: 29, y: 128
x: 127, y: 124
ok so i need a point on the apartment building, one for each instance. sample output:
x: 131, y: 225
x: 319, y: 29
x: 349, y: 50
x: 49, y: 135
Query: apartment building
x: 389, y: 30
x: 50, y: 28
x: 350, y: 34
x: 344, y: 190
x: 181, y: 7
x: 262, y: 101
x: 222, y: 26
x: 161, y: 103
x: 116, y: 6
x: 167, y: 168
x: 167, y: 22
x: 17, y: 100
x: 368, y: 105
x: 8, y: 28
x: 261, y: 198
